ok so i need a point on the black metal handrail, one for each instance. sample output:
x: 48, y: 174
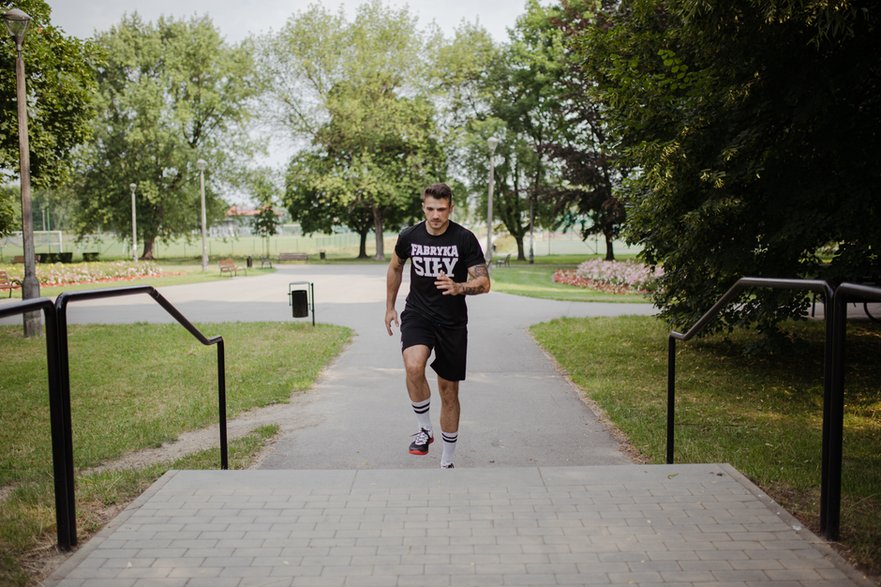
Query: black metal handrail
x: 59, y: 390
x: 846, y: 292
x: 65, y: 298
x: 816, y: 285
x: 65, y: 521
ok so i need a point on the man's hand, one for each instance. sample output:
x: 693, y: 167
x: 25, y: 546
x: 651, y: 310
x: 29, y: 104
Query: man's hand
x: 391, y: 316
x: 446, y: 285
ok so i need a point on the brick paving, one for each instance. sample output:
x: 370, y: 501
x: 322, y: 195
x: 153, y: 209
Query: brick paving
x: 670, y: 525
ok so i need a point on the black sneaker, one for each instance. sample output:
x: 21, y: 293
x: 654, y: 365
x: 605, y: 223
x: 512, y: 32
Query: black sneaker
x: 450, y: 466
x: 419, y: 446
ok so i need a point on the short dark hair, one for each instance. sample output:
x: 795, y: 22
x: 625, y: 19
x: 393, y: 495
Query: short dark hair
x: 441, y: 191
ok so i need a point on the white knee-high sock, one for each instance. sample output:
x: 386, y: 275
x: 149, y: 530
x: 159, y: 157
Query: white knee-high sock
x: 450, y: 439
x: 422, y: 415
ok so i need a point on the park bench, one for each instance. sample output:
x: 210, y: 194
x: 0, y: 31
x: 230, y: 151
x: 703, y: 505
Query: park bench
x: 504, y: 261
x: 228, y: 266
x: 19, y: 259
x: 293, y: 257
x: 7, y: 283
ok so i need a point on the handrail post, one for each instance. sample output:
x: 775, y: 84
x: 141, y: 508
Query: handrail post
x: 221, y: 405
x: 829, y: 312
x: 832, y: 505
x: 65, y: 525
x: 65, y: 412
x: 671, y: 395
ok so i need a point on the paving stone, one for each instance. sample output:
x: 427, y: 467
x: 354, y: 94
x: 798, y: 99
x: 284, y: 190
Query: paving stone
x: 664, y: 525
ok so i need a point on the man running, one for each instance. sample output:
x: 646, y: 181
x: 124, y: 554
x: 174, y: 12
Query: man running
x: 446, y: 264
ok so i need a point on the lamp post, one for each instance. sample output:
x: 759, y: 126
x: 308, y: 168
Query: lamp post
x: 202, y: 164
x: 492, y: 143
x: 133, y: 187
x: 17, y: 22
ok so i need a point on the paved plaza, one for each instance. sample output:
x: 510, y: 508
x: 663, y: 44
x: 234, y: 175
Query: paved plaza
x: 676, y: 525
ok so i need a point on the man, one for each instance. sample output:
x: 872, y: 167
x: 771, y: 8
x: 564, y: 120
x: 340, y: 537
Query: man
x: 446, y: 264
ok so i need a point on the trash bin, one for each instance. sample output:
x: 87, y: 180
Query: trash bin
x: 322, y: 255
x: 249, y: 261
x: 299, y: 303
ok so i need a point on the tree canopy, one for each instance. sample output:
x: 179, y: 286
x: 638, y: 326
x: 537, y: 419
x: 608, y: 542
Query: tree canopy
x: 60, y: 83
x: 353, y: 90
x: 170, y: 93
x: 754, y: 127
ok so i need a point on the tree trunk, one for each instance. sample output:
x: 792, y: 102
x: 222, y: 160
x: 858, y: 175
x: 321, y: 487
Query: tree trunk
x: 610, y: 253
x: 519, y: 241
x: 377, y: 230
x: 362, y: 245
x: 148, y: 248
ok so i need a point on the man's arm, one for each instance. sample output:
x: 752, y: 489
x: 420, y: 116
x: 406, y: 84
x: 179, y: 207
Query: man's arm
x: 394, y: 276
x: 477, y: 283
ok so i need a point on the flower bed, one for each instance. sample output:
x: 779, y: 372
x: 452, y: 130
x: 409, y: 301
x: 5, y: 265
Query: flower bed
x: 72, y: 273
x: 610, y: 276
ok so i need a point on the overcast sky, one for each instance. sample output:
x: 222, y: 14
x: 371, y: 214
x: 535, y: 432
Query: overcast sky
x: 236, y: 19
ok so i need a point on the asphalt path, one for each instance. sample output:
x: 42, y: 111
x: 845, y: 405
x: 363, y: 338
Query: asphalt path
x: 517, y: 409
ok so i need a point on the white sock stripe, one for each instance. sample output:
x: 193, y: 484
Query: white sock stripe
x: 450, y: 437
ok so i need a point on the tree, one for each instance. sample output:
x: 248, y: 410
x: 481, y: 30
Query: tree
x: 520, y: 111
x: 171, y: 93
x: 353, y: 91
x: 8, y: 198
x: 60, y: 83
x: 266, y: 220
x: 755, y: 130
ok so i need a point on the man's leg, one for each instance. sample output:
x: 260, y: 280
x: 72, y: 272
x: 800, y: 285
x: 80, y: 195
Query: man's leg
x: 449, y: 420
x: 415, y: 358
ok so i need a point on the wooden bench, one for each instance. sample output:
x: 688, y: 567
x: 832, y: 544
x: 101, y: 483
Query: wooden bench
x: 228, y: 266
x: 504, y: 261
x: 293, y: 257
x: 7, y: 283
x: 19, y: 259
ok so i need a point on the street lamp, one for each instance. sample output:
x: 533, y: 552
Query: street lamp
x: 133, y: 187
x: 492, y: 143
x: 17, y: 22
x: 202, y: 164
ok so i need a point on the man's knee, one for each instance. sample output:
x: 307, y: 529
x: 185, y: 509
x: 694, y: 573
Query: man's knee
x: 414, y: 370
x: 415, y: 359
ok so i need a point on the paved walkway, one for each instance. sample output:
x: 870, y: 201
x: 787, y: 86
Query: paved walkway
x: 542, y: 494
x: 677, y: 525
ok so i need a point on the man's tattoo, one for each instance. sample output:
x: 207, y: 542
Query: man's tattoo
x: 473, y: 272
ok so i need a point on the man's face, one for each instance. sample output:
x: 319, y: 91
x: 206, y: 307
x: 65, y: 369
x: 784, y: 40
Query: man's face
x: 437, y: 213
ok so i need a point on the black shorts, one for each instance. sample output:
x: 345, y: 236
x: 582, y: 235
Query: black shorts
x: 449, y: 343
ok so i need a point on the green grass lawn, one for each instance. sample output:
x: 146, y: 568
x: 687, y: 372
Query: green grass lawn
x: 763, y: 414
x: 537, y: 281
x: 132, y: 387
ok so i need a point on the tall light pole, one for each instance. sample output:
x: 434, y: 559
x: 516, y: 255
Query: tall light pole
x: 492, y: 143
x: 133, y: 187
x: 17, y: 22
x: 202, y: 164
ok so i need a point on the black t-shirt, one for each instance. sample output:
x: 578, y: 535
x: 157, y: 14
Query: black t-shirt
x: 452, y: 252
